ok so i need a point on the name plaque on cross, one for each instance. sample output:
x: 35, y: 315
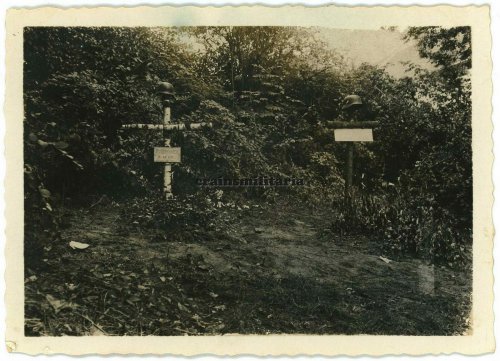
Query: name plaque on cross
x: 167, y: 154
x: 353, y: 135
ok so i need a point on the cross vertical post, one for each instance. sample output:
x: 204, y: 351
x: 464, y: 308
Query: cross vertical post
x: 167, y: 175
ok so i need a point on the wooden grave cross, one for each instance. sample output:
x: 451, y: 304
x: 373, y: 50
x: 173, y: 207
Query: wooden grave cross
x: 167, y: 154
x: 352, y: 131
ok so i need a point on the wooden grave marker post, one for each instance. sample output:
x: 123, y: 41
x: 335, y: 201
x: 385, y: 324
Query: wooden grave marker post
x: 167, y: 154
x: 352, y: 131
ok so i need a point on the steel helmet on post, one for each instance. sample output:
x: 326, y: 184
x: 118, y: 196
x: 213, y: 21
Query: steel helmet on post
x: 165, y: 88
x: 352, y: 100
x: 166, y: 92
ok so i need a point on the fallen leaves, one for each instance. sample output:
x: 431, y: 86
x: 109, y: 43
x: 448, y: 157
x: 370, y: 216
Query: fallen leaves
x: 45, y: 193
x: 71, y: 286
x: 96, y: 330
x: 31, y: 279
x: 182, y: 307
x: 61, y: 145
x: 59, y: 305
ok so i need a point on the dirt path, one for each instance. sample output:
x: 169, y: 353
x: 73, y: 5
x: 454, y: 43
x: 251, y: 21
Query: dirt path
x: 263, y: 273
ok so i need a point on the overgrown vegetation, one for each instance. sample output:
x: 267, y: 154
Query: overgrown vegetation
x: 270, y: 92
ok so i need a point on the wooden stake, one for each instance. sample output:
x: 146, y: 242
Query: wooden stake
x: 349, y: 165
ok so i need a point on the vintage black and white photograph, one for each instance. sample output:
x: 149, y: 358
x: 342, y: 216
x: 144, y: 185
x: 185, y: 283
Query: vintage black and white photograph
x: 247, y: 180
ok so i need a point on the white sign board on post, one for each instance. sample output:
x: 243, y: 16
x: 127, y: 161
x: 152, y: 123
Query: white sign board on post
x: 167, y: 154
x: 353, y: 135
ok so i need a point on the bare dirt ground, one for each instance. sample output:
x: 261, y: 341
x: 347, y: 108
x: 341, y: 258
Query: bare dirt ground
x: 261, y: 271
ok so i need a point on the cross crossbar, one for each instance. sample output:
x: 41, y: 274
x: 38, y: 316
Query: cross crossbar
x: 179, y: 126
x: 353, y: 124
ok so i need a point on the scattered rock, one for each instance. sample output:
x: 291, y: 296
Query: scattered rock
x: 78, y: 245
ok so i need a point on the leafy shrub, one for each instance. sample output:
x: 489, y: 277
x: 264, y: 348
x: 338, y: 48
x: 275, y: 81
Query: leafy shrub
x: 405, y: 226
x: 356, y: 212
x: 421, y: 228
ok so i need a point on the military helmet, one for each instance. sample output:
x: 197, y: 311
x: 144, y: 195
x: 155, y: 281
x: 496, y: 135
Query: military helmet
x: 165, y: 88
x: 352, y: 100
